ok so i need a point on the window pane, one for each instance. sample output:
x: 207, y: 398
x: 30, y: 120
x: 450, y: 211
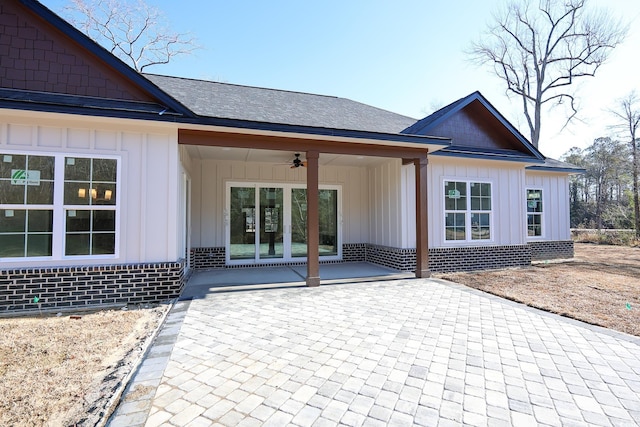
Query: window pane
x: 77, y: 244
x: 104, y: 220
x: 534, y: 201
x: 41, y: 194
x: 39, y: 244
x: 78, y: 221
x: 42, y: 164
x: 12, y: 221
x: 12, y: 245
x: 480, y: 229
x: 480, y: 196
x: 455, y: 195
x: 104, y: 194
x: 77, y: 169
x: 77, y: 193
x: 455, y: 226
x: 534, y: 225
x: 9, y: 162
x: 11, y: 193
x: 40, y: 221
x: 104, y: 170
x: 103, y: 243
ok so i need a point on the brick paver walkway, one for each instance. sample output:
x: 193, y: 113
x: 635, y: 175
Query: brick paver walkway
x: 421, y: 352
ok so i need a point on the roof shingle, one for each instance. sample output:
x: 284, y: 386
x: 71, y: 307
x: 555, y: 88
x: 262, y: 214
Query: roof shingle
x: 229, y: 101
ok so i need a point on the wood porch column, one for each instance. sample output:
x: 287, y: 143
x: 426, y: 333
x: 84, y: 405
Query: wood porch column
x: 422, y: 218
x: 313, y: 220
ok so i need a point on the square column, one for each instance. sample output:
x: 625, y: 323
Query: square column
x: 422, y: 237
x: 313, y: 220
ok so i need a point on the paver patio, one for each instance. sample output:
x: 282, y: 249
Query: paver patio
x: 403, y: 352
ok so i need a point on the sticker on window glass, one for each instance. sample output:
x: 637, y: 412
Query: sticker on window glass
x: 71, y: 213
x: 22, y: 177
x: 7, y: 158
x: 8, y: 213
x: 71, y: 161
x: 454, y: 194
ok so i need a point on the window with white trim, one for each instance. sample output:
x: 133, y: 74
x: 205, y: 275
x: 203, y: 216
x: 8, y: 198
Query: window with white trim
x: 26, y: 205
x: 534, y: 212
x: 467, y: 210
x: 57, y: 206
x: 90, y: 205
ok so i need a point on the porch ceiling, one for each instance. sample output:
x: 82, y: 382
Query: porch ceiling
x: 283, y: 158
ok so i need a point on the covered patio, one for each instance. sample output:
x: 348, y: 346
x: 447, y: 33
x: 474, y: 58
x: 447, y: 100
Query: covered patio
x: 408, y: 150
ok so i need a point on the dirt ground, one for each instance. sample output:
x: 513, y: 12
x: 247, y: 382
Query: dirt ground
x: 63, y: 370
x: 600, y: 286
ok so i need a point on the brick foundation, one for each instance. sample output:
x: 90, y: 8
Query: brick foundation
x: 440, y: 259
x: 89, y: 286
x: 558, y: 249
x: 396, y: 258
x: 446, y: 260
x: 205, y: 258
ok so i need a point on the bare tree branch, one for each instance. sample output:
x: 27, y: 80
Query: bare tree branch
x: 540, y: 47
x: 132, y: 30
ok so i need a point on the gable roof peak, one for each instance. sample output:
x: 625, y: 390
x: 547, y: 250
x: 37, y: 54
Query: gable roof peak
x: 426, y: 125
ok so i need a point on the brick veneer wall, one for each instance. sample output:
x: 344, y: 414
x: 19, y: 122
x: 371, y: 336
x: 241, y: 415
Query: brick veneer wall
x: 478, y: 258
x: 354, y: 252
x: 85, y: 287
x: 440, y: 259
x: 551, y: 250
x: 397, y: 258
x: 204, y: 258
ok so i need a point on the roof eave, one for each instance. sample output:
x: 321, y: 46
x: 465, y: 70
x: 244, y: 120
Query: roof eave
x: 572, y: 171
x: 490, y: 156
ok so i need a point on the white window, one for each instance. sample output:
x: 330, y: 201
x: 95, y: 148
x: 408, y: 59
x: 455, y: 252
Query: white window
x: 467, y: 210
x: 534, y: 212
x: 26, y: 205
x: 57, y: 206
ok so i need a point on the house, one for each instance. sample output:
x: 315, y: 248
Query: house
x: 113, y: 184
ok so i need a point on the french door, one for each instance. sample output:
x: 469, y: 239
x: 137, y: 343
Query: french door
x: 268, y: 223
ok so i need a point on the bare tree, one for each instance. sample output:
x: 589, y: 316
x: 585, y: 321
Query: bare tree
x: 540, y: 47
x: 131, y: 30
x: 627, y: 114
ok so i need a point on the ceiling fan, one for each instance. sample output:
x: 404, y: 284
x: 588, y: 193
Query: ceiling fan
x: 297, y: 162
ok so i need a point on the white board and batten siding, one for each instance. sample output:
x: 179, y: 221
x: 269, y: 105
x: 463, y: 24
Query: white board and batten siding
x: 555, y: 202
x: 210, y: 177
x: 148, y: 181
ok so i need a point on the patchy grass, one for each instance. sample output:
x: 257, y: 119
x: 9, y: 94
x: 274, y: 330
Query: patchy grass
x: 64, y: 370
x: 600, y: 286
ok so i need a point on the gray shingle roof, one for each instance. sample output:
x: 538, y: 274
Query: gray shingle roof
x: 229, y: 101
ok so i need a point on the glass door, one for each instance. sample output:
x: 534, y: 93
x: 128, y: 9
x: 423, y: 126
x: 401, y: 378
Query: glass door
x: 242, y: 223
x: 270, y: 223
x: 271, y: 230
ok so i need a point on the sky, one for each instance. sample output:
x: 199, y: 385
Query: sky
x: 405, y: 56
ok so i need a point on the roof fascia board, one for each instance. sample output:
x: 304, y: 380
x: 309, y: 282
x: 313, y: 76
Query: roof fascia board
x: 572, y: 171
x: 488, y: 156
x: 103, y: 54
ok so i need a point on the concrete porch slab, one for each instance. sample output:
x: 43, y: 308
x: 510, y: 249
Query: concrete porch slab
x: 202, y: 283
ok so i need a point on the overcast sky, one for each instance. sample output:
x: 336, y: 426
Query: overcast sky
x: 405, y: 56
